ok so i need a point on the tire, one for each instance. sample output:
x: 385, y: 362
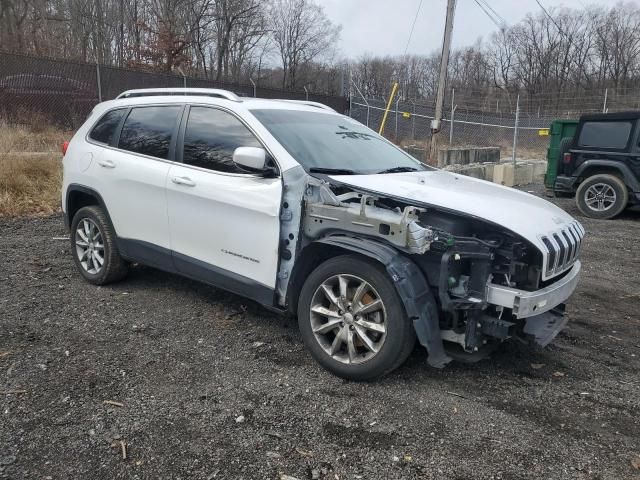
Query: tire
x: 563, y: 147
x: 386, y: 312
x: 97, y: 233
x: 614, y: 201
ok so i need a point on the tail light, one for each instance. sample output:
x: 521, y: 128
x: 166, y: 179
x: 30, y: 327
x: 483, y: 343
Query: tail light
x: 65, y: 145
x: 566, y: 158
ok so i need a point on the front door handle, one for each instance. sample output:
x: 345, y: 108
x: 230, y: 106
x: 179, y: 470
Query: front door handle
x: 186, y: 181
x: 106, y: 164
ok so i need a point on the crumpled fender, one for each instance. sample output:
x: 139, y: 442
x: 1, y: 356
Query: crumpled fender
x: 412, y: 287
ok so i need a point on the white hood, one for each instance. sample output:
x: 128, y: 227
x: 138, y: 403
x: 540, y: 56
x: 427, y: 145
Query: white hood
x: 524, y: 214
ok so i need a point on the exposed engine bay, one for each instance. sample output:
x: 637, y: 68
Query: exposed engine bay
x: 466, y: 261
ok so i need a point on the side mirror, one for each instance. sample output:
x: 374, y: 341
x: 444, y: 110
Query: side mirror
x: 250, y: 158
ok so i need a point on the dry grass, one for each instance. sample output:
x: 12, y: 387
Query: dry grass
x: 34, y: 139
x: 30, y: 185
x: 30, y: 170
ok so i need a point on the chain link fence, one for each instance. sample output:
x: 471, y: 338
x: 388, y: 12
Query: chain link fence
x: 410, y: 123
x: 482, y: 121
x: 35, y: 90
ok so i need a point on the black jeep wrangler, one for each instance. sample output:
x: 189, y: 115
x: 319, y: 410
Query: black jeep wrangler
x: 601, y: 164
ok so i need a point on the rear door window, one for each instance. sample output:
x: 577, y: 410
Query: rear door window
x: 106, y: 127
x: 614, y: 135
x: 149, y: 130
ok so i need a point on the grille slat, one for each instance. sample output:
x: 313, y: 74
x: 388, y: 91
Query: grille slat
x: 563, y: 248
x: 570, y: 245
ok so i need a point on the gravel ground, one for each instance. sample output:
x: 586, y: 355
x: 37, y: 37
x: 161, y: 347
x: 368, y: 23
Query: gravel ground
x: 210, y: 386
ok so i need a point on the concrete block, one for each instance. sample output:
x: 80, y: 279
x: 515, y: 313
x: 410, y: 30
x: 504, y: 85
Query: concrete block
x: 539, y: 170
x: 499, y: 174
x: 523, y: 174
x: 475, y: 171
x: 466, y: 156
x: 505, y: 174
x: 488, y: 170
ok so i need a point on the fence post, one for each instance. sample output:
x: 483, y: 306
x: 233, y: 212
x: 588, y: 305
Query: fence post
x: 604, y: 107
x: 515, y: 131
x: 184, y: 78
x: 453, y: 112
x: 99, y: 84
x: 397, y: 102
x: 413, y: 121
x: 364, y: 99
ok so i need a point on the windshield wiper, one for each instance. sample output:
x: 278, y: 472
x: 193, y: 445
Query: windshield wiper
x: 398, y: 170
x: 332, y: 171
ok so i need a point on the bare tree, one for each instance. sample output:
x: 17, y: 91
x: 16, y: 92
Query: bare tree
x: 239, y: 26
x: 302, y: 33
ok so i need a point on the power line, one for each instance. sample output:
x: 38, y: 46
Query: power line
x: 500, y: 17
x: 486, y: 12
x: 413, y: 25
x: 553, y: 20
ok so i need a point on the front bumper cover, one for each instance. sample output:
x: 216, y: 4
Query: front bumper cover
x: 526, y: 304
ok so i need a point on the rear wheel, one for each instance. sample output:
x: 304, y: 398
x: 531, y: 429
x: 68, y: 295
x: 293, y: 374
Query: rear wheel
x: 602, y: 196
x: 94, y: 249
x: 352, y: 320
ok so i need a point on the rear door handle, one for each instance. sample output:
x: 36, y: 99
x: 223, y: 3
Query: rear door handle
x: 106, y: 164
x: 186, y: 181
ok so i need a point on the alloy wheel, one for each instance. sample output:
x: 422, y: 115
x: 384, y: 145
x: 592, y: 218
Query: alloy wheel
x: 89, y: 246
x: 600, y: 197
x: 348, y: 319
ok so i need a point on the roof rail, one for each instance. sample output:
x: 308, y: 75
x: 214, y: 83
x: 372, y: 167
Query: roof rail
x: 206, y: 92
x: 310, y: 104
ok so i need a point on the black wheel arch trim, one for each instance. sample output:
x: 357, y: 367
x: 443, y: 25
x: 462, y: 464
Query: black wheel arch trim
x: 75, y: 187
x: 629, y: 178
x: 410, y: 284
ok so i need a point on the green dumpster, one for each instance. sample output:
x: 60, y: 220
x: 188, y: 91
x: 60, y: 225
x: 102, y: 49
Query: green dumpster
x: 559, y: 129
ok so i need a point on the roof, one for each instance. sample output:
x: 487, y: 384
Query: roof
x: 214, y: 93
x: 594, y: 117
x: 205, y: 92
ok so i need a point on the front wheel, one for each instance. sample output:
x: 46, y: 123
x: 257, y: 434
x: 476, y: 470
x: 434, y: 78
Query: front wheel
x: 602, y: 196
x: 352, y: 319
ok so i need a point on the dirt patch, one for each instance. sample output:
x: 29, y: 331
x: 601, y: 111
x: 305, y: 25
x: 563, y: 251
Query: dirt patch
x: 212, y: 386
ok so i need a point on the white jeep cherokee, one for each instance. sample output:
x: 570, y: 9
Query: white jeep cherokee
x: 305, y: 210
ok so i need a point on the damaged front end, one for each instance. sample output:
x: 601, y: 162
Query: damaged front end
x: 466, y: 284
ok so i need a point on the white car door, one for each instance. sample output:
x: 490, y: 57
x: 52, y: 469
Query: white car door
x: 224, y: 222
x: 132, y: 180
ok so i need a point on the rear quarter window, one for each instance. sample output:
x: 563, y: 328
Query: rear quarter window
x: 148, y: 130
x: 106, y: 127
x: 614, y: 135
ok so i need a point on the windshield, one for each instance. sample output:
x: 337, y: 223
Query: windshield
x: 329, y: 143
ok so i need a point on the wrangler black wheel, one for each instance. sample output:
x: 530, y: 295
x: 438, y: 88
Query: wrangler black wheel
x: 602, y: 196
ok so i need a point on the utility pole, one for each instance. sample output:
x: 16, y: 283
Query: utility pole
x: 442, y: 79
x: 121, y: 42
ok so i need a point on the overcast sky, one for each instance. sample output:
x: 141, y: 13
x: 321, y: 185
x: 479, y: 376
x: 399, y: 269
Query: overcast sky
x: 382, y: 27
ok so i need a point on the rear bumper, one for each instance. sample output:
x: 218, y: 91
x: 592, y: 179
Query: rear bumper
x: 564, y: 184
x: 526, y: 304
